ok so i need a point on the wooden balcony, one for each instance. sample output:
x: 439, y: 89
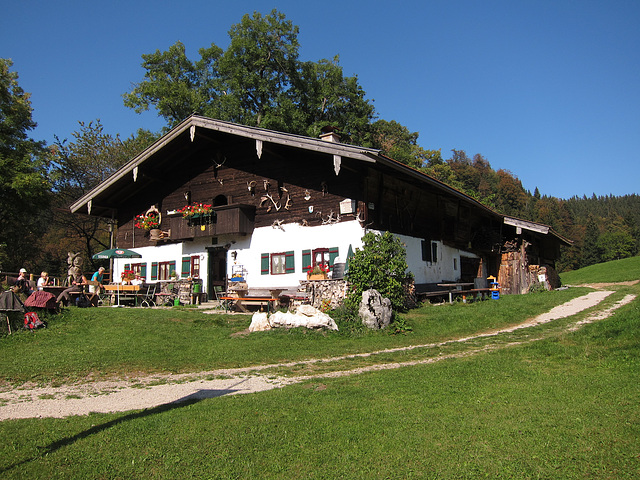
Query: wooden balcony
x: 236, y: 219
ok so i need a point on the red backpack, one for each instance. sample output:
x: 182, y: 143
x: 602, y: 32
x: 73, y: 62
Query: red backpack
x: 31, y: 321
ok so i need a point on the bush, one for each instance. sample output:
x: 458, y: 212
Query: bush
x: 380, y: 264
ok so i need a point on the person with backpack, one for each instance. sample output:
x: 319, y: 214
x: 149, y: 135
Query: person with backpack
x: 22, y: 283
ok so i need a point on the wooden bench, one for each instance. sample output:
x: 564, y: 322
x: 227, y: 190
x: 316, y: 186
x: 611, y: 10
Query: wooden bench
x: 452, y: 293
x: 241, y: 302
x: 474, y: 292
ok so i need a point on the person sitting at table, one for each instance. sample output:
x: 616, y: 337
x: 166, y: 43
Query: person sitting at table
x: 43, y: 281
x: 97, y: 277
x: 137, y: 281
x: 22, y: 283
x: 77, y: 284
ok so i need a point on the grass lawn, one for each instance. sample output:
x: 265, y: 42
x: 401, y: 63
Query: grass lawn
x: 564, y: 406
x: 627, y: 269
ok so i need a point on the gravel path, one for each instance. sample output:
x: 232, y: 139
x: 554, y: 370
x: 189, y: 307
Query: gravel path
x: 156, y: 390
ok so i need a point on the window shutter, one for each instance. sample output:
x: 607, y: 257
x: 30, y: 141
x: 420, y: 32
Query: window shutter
x: 306, y: 260
x: 264, y: 264
x: 143, y: 271
x: 172, y: 266
x: 333, y: 254
x: 186, y: 267
x: 127, y: 266
x: 426, y: 250
x: 289, y: 263
x: 154, y: 270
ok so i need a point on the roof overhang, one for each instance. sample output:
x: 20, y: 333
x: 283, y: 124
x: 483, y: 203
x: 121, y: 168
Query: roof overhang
x: 129, y: 172
x: 97, y: 201
x: 534, y: 227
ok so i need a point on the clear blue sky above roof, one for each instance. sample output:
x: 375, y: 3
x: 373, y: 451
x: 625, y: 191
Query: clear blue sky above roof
x: 546, y: 89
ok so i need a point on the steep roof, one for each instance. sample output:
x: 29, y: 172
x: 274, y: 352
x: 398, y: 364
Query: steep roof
x: 158, y: 162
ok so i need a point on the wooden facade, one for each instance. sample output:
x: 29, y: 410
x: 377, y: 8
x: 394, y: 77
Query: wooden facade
x: 255, y: 179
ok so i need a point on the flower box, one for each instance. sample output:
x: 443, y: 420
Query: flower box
x: 316, y: 276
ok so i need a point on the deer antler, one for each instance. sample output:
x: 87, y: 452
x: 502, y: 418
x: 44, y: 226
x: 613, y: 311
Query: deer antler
x: 287, y: 204
x: 269, y: 197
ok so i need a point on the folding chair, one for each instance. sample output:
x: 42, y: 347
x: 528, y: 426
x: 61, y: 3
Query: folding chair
x: 148, y: 295
x: 167, y: 295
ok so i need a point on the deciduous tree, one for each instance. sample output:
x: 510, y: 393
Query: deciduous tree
x: 258, y: 81
x: 78, y: 166
x: 23, y: 183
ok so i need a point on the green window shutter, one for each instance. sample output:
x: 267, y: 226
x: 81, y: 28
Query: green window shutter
x: 333, y: 254
x: 186, y: 267
x: 143, y: 271
x: 154, y: 270
x: 289, y: 263
x: 127, y: 266
x: 306, y: 260
x: 172, y: 266
x: 264, y: 264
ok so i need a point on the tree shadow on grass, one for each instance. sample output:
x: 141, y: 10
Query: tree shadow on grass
x: 64, y: 442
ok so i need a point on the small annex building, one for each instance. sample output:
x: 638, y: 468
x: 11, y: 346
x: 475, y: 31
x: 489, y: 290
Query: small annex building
x: 267, y: 206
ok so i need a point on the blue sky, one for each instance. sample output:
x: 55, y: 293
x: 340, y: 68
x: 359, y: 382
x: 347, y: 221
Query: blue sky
x: 548, y: 89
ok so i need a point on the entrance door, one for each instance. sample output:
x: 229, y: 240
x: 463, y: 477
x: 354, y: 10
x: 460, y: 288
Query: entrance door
x: 217, y: 270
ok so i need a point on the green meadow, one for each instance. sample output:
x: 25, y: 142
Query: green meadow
x: 542, y: 402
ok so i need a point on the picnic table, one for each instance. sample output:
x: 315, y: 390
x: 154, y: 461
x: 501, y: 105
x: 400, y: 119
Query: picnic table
x: 241, y: 303
x: 451, y: 287
x: 122, y: 292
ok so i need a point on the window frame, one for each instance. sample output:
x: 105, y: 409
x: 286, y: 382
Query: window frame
x: 283, y: 263
x: 164, y: 269
x: 195, y: 266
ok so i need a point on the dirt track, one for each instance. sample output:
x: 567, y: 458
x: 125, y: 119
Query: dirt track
x: 156, y: 390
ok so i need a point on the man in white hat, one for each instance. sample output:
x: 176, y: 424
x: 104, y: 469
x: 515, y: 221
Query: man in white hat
x: 23, y: 283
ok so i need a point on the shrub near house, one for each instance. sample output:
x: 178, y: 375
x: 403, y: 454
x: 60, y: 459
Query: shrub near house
x: 380, y: 264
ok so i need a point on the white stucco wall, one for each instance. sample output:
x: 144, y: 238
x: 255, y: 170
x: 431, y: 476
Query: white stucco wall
x: 248, y: 250
x: 294, y: 237
x: 445, y: 268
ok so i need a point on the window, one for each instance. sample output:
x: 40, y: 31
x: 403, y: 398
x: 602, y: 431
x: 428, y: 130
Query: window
x: 190, y: 266
x: 138, y: 269
x: 277, y: 263
x: 319, y: 256
x: 195, y: 266
x: 429, y: 251
x: 165, y: 269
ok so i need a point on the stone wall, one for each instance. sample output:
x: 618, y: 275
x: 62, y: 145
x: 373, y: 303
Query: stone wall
x: 332, y: 292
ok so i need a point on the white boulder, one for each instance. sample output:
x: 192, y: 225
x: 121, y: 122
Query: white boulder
x: 304, y: 316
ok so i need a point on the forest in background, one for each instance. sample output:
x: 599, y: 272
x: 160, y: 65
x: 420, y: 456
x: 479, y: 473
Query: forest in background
x: 258, y: 81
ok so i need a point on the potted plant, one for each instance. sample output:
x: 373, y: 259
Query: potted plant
x: 319, y: 272
x: 196, y: 210
x: 148, y: 221
x: 197, y: 214
x: 126, y: 276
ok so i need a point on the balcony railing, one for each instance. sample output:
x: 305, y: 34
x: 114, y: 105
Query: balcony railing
x: 237, y: 219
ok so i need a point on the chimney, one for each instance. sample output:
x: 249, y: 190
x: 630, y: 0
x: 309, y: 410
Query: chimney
x: 330, y: 134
